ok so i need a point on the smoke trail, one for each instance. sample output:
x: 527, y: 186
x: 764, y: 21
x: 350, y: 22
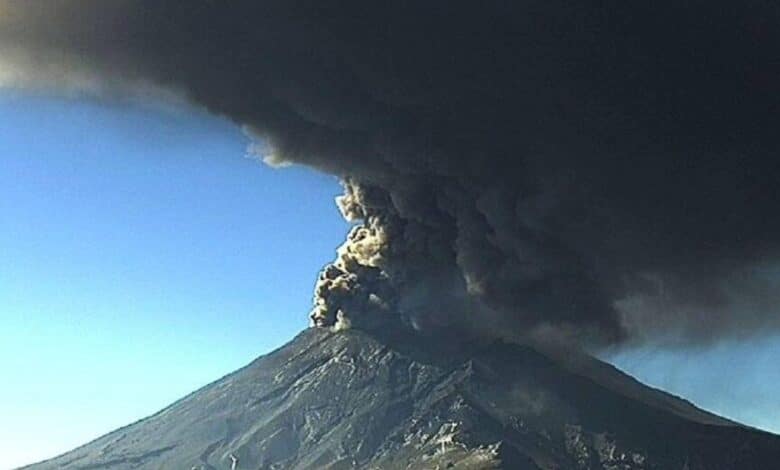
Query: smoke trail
x: 601, y: 171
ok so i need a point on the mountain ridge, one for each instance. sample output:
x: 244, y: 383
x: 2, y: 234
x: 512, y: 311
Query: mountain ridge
x: 353, y: 399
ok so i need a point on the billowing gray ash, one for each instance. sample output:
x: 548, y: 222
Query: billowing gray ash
x: 599, y: 171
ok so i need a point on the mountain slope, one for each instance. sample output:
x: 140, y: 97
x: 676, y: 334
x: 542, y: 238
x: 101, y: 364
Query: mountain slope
x: 351, y: 400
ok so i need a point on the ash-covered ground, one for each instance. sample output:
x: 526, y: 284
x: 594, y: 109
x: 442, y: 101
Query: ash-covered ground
x: 351, y: 399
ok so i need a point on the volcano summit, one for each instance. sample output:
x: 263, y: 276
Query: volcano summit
x: 351, y: 399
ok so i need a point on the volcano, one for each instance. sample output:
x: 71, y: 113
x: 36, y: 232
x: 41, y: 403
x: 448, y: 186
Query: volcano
x: 353, y: 399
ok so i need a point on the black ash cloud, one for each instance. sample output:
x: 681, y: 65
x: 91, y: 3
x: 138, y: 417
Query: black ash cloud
x: 601, y: 170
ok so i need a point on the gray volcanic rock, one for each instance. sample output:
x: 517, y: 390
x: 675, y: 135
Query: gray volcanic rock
x: 354, y: 400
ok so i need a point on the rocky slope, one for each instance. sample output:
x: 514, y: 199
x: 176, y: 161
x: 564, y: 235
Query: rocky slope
x: 352, y: 400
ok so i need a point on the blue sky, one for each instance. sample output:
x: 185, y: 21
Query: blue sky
x: 142, y: 255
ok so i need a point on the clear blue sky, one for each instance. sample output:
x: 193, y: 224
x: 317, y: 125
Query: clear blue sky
x: 142, y: 255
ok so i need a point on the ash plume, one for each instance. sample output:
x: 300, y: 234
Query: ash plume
x: 600, y: 171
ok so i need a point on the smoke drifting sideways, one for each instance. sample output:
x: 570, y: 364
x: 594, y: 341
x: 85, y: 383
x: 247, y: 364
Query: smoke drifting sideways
x: 598, y: 171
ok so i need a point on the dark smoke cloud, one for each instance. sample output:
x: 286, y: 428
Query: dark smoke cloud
x: 599, y: 170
